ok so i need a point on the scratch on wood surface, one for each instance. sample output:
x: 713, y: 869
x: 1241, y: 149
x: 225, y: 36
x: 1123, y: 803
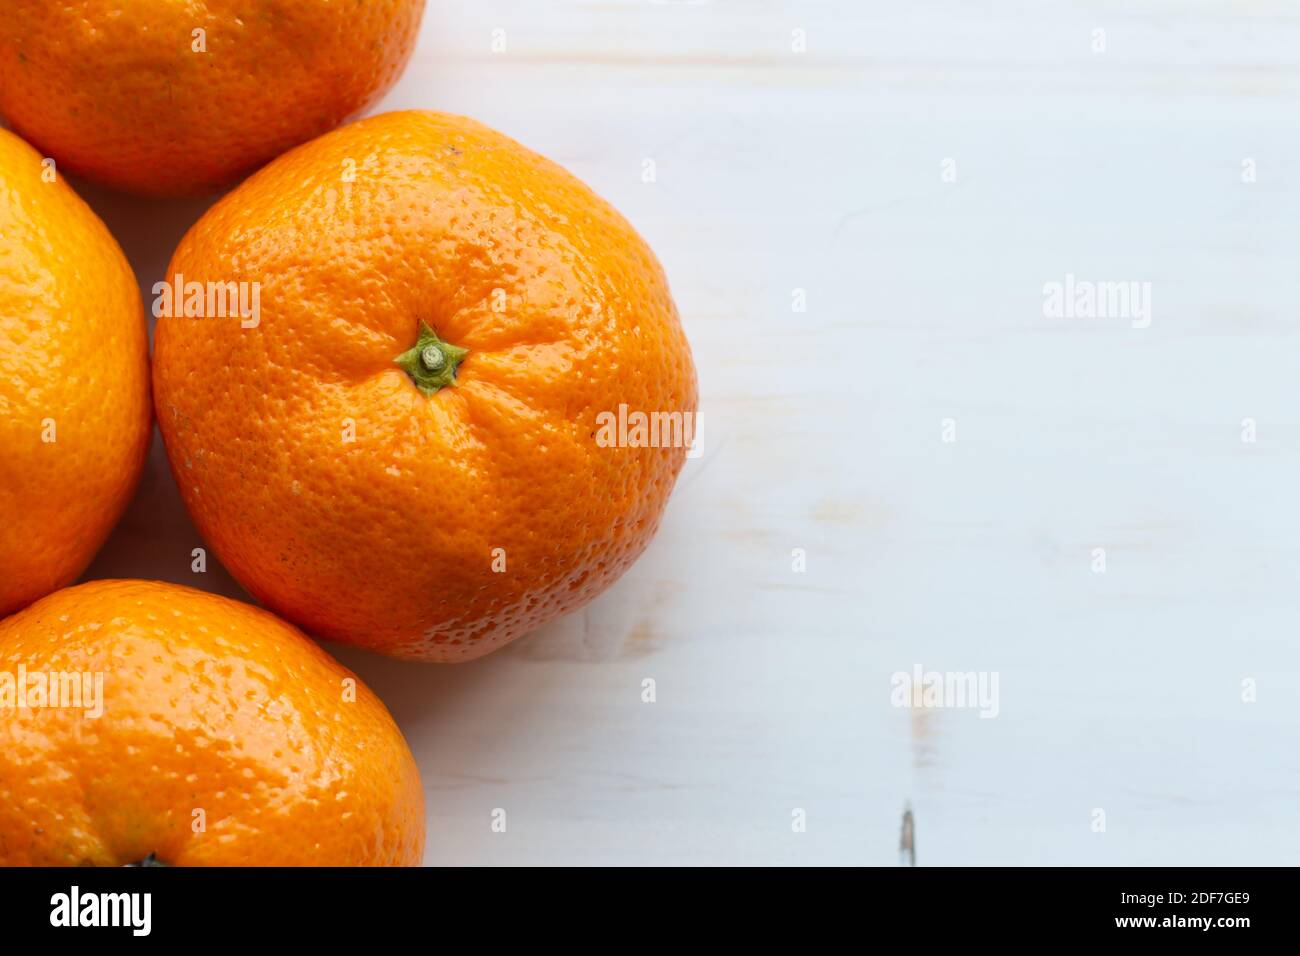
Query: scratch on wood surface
x: 907, y: 839
x: 619, y: 627
x: 923, y: 733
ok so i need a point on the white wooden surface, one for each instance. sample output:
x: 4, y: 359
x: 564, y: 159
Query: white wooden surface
x: 821, y: 171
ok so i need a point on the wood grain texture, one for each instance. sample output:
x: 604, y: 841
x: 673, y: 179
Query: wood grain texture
x: 822, y: 171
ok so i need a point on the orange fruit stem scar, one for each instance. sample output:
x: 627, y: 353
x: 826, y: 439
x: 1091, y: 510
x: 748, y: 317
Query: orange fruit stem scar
x: 431, y: 363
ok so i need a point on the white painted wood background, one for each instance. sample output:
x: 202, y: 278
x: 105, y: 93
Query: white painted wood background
x: 821, y: 171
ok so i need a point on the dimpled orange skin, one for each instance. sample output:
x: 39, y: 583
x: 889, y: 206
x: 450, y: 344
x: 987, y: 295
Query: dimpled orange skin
x: 434, y: 527
x: 208, y: 705
x: 116, y: 91
x: 74, y: 368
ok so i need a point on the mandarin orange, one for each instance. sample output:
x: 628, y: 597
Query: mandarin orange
x: 409, y: 446
x: 75, y: 416
x: 141, y: 720
x: 165, y: 98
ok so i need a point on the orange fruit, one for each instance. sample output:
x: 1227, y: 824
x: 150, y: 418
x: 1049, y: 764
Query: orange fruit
x: 74, y: 380
x: 164, y: 98
x: 408, y: 447
x: 194, y: 729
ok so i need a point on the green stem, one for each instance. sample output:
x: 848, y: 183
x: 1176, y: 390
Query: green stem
x: 431, y: 363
